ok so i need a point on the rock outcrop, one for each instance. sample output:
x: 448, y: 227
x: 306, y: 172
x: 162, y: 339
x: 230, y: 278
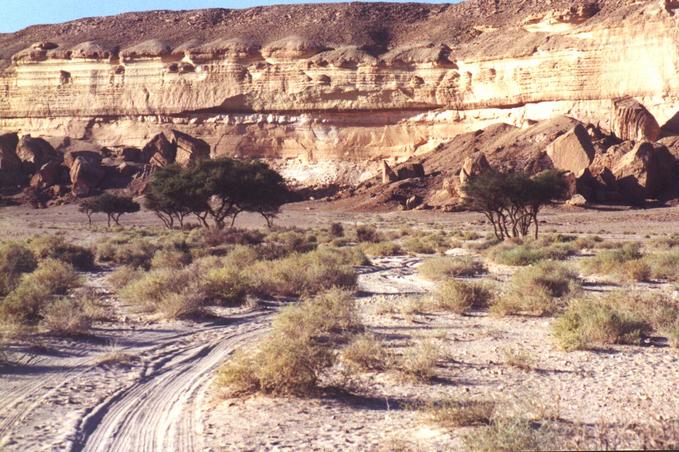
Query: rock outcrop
x: 573, y: 151
x: 632, y: 121
x: 336, y: 83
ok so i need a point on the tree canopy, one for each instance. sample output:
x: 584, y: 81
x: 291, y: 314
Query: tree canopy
x: 512, y: 201
x: 112, y: 205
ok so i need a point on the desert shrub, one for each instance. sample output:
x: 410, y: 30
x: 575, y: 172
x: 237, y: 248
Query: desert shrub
x: 65, y: 316
x: 365, y: 352
x: 367, y: 233
x: 519, y: 358
x: 510, y: 434
x: 539, y: 290
x: 242, y: 256
x: 15, y: 260
x: 22, y: 305
x: 659, y: 311
x: 292, y: 358
x: 441, y: 268
x: 137, y: 253
x: 123, y: 276
x: 53, y: 247
x: 300, y: 274
x: 419, y: 363
x: 337, y: 230
x: 451, y: 413
x: 461, y: 297
x: 225, y: 285
x: 668, y: 242
x: 294, y: 241
x: 174, y: 294
x: 212, y: 237
x: 169, y: 258
x: 383, y: 249
x: 664, y: 265
x: 625, y: 261
x: 591, y: 323
x: 417, y: 245
x: 522, y: 254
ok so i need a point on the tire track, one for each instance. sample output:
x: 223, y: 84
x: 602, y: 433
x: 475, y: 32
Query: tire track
x: 161, y: 410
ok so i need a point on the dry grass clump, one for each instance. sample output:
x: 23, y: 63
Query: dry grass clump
x: 53, y: 247
x: 292, y: 241
x: 66, y: 317
x: 367, y: 233
x: 136, y: 252
x: 451, y: 413
x: 522, y: 254
x: 625, y: 262
x: 170, y: 258
x: 461, y: 297
x: 519, y: 358
x: 419, y: 363
x: 591, y: 323
x: 664, y: 265
x: 226, y: 285
x: 442, y: 268
x: 428, y: 243
x: 301, y: 274
x: 300, y: 347
x: 15, y: 260
x: 123, y: 275
x: 537, y: 290
x: 365, y: 352
x: 510, y: 434
x: 383, y: 249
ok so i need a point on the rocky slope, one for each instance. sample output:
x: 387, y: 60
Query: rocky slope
x: 335, y: 88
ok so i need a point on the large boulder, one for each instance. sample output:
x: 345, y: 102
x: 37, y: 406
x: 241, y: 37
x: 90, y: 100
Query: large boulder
x: 159, y: 152
x: 582, y: 183
x: 388, y: 174
x: 86, y: 176
x: 34, y: 152
x: 10, y: 165
x: 632, y: 121
x: 410, y: 170
x: 643, y: 172
x: 188, y: 148
x: 473, y: 166
x: 91, y: 156
x: 49, y: 174
x: 572, y: 151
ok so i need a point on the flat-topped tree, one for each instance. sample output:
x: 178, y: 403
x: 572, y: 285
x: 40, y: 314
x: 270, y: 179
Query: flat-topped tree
x: 512, y: 201
x: 112, y: 205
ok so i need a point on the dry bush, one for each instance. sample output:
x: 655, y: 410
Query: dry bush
x: 336, y: 230
x: 659, y: 311
x: 591, y: 323
x: 624, y: 262
x: 136, y: 252
x: 383, y: 249
x: 367, y: 233
x: 522, y: 254
x: 299, y: 348
x: 53, y: 247
x: 451, y: 413
x: 66, y: 317
x: 419, y: 363
x: 301, y: 274
x: 664, y: 265
x: 226, y: 285
x: 365, y: 352
x: 442, y: 268
x: 15, y: 260
x: 124, y: 275
x: 537, y: 290
x: 292, y: 241
x: 170, y: 258
x: 417, y: 245
x: 241, y: 255
x: 461, y: 297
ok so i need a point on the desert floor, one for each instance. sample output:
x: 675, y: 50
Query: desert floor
x: 140, y: 384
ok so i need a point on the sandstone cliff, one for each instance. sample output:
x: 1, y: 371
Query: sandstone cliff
x: 334, y: 89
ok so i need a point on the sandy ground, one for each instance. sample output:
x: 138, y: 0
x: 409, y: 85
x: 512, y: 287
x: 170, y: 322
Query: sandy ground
x: 157, y: 394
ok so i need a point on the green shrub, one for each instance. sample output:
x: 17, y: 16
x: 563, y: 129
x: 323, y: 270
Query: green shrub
x: 53, y: 247
x: 441, y: 268
x: 22, y: 305
x: 292, y: 358
x: 383, y: 249
x: 461, y: 297
x: 538, y: 290
x: 591, y: 323
x: 624, y: 262
x: 15, y: 260
x: 522, y: 254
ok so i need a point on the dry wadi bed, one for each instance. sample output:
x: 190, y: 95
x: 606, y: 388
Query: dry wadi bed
x: 140, y: 383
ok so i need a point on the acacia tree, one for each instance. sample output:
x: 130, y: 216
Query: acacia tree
x: 169, y: 196
x: 112, y: 205
x: 512, y: 201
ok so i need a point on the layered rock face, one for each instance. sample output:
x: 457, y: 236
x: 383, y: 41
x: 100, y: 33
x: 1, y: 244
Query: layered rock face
x: 333, y: 86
